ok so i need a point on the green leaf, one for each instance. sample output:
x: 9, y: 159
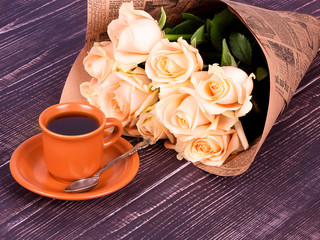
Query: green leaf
x: 174, y: 37
x: 167, y: 30
x: 163, y: 18
x: 169, y: 25
x: 186, y: 27
x: 261, y: 73
x: 193, y: 18
x: 241, y: 48
x: 194, y: 42
x: 208, y: 26
x: 227, y: 59
x: 198, y: 37
x: 220, y: 24
x: 255, y: 107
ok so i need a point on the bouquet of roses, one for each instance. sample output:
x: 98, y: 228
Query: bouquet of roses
x: 208, y: 85
x: 152, y: 76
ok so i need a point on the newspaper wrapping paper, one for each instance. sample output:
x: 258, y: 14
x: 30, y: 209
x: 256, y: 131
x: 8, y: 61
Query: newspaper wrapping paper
x: 288, y: 40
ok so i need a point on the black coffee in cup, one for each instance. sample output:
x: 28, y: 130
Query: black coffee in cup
x: 75, y: 124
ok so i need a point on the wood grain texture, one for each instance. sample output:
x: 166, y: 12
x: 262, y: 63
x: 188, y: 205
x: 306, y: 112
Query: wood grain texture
x: 277, y: 198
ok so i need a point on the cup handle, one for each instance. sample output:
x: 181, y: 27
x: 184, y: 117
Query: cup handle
x: 110, y: 138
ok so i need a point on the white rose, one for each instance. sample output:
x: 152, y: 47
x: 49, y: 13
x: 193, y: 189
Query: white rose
x: 172, y: 63
x: 223, y: 89
x: 133, y: 34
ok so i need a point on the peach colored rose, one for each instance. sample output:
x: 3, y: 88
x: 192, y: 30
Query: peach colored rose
x: 172, y: 63
x: 133, y: 34
x: 223, y: 89
x: 100, y: 61
x: 180, y: 112
x: 150, y: 127
x: 210, y: 147
x: 91, y: 91
x: 122, y: 95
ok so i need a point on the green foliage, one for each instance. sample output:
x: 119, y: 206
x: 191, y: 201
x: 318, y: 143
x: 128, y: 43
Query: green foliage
x: 261, y: 73
x: 185, y: 27
x: 163, y: 18
x: 220, y: 25
x: 224, y: 35
x: 241, y: 47
x: 193, y: 18
x: 208, y: 27
x: 227, y: 59
x: 198, y: 37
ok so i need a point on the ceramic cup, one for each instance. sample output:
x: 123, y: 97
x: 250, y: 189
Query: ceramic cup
x: 71, y: 157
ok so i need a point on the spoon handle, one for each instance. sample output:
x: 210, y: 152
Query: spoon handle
x: 131, y: 151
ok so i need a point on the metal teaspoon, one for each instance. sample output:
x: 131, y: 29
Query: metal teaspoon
x: 86, y: 184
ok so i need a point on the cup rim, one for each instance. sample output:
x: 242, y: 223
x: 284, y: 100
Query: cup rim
x: 100, y: 116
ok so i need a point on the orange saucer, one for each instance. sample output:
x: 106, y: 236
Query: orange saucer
x: 28, y: 169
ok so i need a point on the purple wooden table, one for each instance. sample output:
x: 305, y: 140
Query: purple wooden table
x: 277, y: 198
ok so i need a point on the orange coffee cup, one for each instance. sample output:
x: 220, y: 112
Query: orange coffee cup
x: 71, y: 157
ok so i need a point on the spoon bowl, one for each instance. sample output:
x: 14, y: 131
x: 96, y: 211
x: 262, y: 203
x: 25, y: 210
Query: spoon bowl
x: 82, y: 185
x: 86, y: 184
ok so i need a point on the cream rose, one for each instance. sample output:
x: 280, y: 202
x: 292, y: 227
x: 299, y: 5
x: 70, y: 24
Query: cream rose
x: 210, y: 147
x: 150, y: 127
x: 180, y: 112
x: 99, y: 62
x: 223, y: 89
x: 172, y: 63
x: 122, y: 95
x: 133, y: 34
